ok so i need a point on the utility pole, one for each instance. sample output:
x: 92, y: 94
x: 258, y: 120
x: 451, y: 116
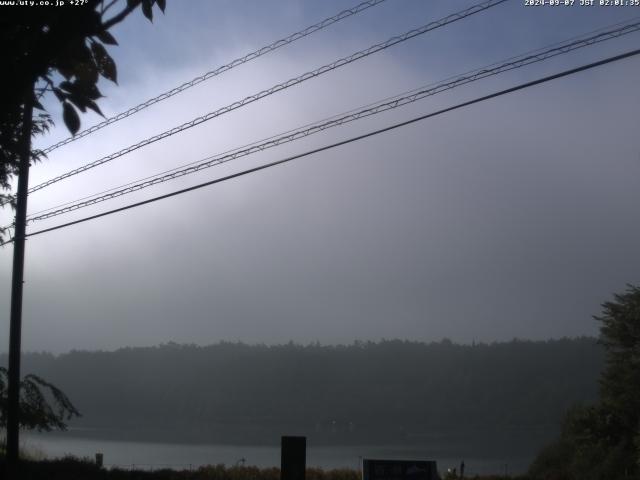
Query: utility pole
x: 15, y: 329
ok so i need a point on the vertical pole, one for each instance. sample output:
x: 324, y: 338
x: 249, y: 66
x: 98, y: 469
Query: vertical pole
x: 293, y: 458
x: 15, y: 329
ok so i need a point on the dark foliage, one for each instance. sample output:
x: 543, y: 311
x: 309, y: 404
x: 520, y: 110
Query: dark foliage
x: 74, y: 469
x: 43, y: 406
x: 620, y: 381
x: 59, y: 51
x: 388, y: 392
x: 602, y: 441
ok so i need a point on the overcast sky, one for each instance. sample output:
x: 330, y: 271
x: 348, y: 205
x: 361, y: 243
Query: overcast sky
x: 516, y: 217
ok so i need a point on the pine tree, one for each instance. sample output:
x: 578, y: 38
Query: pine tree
x: 620, y: 380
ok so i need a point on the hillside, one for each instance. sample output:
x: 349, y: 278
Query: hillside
x: 387, y: 392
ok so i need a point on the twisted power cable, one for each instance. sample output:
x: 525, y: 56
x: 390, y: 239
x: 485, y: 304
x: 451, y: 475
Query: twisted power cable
x: 500, y: 93
x: 373, y: 109
x: 282, y: 86
x: 224, y: 68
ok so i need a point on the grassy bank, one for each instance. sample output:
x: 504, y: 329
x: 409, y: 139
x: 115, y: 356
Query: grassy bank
x: 75, y: 469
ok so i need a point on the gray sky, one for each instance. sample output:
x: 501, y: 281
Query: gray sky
x: 513, y: 218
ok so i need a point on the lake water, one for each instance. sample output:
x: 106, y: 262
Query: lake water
x: 145, y: 455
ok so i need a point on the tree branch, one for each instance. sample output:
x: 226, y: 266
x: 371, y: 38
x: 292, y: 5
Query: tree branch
x: 122, y: 15
x: 111, y: 4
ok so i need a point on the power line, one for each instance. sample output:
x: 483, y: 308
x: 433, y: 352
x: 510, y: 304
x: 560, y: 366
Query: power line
x: 530, y: 52
x: 224, y: 68
x: 344, y: 142
x: 282, y: 86
x: 372, y: 109
x: 583, y: 36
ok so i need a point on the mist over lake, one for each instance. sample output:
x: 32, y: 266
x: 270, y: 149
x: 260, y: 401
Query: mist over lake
x: 492, y: 404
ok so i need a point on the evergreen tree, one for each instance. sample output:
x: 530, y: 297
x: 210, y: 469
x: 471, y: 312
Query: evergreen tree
x: 602, y: 442
x: 620, y: 381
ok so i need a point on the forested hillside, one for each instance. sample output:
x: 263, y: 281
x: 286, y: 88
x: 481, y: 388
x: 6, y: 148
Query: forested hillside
x: 391, y: 392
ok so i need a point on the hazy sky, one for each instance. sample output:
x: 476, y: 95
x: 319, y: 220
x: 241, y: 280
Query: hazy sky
x: 512, y: 218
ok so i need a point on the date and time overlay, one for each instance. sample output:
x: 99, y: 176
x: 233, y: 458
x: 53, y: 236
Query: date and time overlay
x: 581, y: 3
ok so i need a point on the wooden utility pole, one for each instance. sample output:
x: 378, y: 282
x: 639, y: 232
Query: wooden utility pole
x: 15, y: 329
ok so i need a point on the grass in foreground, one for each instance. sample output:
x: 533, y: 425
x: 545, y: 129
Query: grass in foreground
x: 76, y: 469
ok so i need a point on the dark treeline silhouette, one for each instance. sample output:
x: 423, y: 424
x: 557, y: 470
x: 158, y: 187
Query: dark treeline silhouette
x: 386, y: 392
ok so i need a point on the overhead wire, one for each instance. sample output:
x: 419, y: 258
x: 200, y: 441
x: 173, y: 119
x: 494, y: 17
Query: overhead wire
x: 337, y: 120
x: 477, y: 8
x: 529, y: 52
x: 522, y: 86
x: 221, y: 69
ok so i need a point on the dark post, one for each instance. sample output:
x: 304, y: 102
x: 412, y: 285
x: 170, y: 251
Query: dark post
x: 15, y: 329
x: 293, y: 458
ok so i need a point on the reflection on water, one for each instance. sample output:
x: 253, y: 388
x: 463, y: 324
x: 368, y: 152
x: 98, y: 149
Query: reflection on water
x: 148, y: 455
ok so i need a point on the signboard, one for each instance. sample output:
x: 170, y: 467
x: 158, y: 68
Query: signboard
x: 399, y: 470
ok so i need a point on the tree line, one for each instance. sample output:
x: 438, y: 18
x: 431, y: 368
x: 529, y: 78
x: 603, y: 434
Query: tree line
x: 389, y: 391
